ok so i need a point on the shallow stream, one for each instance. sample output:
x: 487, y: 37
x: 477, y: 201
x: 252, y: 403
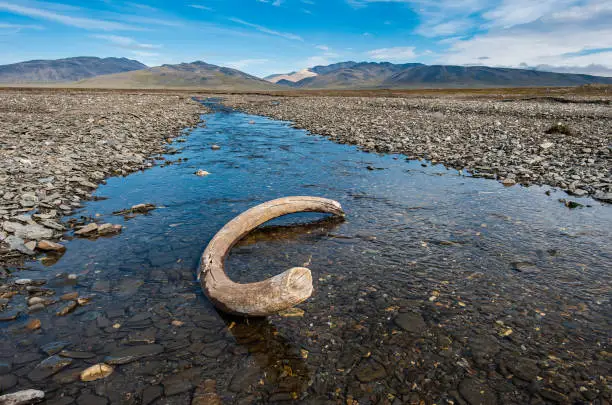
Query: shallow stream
x: 437, y: 288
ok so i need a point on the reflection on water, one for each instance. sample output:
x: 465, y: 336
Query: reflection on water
x: 437, y: 288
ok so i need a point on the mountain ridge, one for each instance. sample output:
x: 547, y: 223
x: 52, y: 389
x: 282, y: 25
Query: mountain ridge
x: 65, y: 70
x: 193, y: 74
x: 377, y: 75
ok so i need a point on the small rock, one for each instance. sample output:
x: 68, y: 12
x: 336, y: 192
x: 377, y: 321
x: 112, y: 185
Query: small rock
x: 48, y: 367
x: 150, y: 394
x: 87, y: 229
x: 206, y: 394
x: 71, y: 296
x: 605, y: 197
x: 96, y: 372
x: 50, y: 246
x: 53, y: 225
x: 411, y: 322
x: 109, y: 229
x: 130, y: 354
x: 215, y: 147
x: 142, y: 208
x: 67, y: 309
x: 477, y: 393
x: 508, y: 182
x: 16, y: 243
x: 22, y: 397
x: 370, y: 371
x: 202, y: 173
x: 89, y: 399
x: 33, y: 324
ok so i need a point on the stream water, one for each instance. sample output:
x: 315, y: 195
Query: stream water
x: 437, y: 288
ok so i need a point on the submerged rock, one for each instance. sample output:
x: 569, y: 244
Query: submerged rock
x: 96, y: 372
x: 130, y: 354
x: 411, y: 322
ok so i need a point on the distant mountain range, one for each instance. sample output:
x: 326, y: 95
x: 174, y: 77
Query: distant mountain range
x: 65, y: 70
x: 372, y: 75
x: 125, y: 73
x: 196, y: 75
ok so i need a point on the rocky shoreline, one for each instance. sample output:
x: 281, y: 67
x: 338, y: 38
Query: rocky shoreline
x: 57, y: 147
x: 561, y: 144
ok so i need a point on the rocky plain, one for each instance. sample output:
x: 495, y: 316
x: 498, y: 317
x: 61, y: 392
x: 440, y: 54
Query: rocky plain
x: 493, y: 304
x: 57, y: 147
x: 560, y: 142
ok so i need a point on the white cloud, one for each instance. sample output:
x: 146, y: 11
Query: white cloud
x: 79, y: 22
x: 323, y: 47
x: 275, y: 3
x: 515, y: 12
x: 20, y: 26
x: 269, y: 31
x: 125, y: 42
x: 398, y: 53
x: 200, y: 7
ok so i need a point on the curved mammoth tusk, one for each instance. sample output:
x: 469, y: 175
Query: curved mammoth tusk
x: 266, y: 297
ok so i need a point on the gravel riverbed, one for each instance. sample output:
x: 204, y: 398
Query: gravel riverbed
x: 56, y: 147
x: 561, y: 144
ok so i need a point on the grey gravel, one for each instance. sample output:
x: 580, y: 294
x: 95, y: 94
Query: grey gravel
x: 514, y: 142
x: 56, y: 147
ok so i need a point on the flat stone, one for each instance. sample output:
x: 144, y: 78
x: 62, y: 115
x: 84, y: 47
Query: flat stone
x: 77, y: 355
x: 109, y: 229
x: 68, y: 308
x: 370, y: 370
x: 476, y: 392
x: 54, y: 347
x: 22, y: 397
x: 46, y: 245
x: 411, y: 322
x: 11, y: 315
x: 130, y: 354
x: 53, y: 225
x: 18, y: 244
x: 48, y: 367
x: 5, y: 368
x: 89, y: 399
x: 524, y: 368
x: 87, y: 229
x: 30, y: 231
x: 150, y: 394
x: 7, y: 382
x: 176, y: 385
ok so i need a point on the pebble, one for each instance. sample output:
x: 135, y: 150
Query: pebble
x: 33, y: 324
x: 87, y: 229
x: 58, y: 146
x: 411, y: 322
x: 67, y: 309
x: 46, y: 245
x: 96, y: 372
x: 477, y: 393
x: 22, y: 397
x: 130, y: 354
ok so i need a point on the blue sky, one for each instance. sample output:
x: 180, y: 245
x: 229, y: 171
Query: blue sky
x: 276, y: 36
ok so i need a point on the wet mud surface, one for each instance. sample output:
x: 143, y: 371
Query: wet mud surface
x: 437, y: 288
